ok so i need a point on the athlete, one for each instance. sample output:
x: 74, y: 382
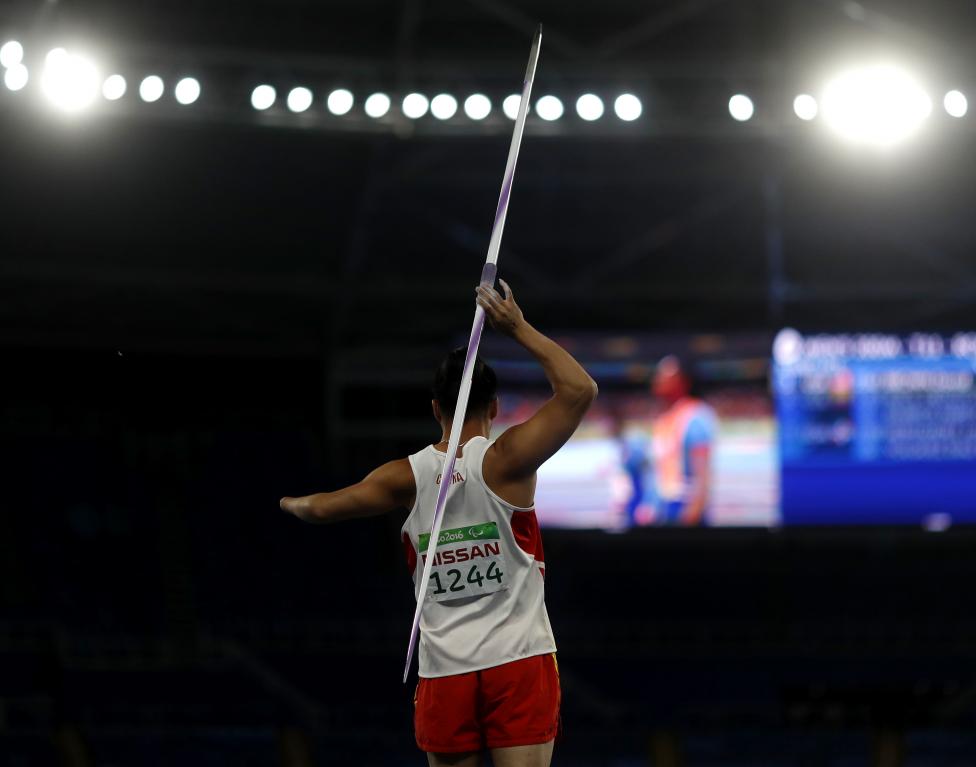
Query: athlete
x: 488, y: 674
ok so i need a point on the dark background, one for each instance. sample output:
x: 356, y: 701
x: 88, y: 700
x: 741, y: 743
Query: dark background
x: 203, y: 310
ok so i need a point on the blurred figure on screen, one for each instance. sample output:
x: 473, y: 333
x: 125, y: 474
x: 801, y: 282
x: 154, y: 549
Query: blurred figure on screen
x: 682, y: 438
x: 636, y: 500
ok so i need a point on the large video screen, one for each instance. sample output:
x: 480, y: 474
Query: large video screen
x: 876, y: 428
x: 791, y: 429
x: 646, y: 457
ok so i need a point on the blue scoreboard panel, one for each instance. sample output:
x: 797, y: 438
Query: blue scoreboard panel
x: 876, y: 429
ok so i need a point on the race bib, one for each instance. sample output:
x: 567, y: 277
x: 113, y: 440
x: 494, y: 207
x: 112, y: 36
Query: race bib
x: 468, y: 562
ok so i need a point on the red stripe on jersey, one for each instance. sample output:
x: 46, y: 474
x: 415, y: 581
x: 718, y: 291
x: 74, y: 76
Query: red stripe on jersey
x: 525, y: 526
x: 410, y: 552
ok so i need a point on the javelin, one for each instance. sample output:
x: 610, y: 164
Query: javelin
x: 487, y: 278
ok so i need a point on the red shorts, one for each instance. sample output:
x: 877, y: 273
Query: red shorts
x: 516, y: 704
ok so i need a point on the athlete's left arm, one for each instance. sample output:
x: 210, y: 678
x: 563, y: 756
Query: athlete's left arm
x: 701, y: 481
x: 389, y: 487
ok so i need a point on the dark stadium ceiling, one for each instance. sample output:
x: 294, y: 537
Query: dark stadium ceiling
x: 475, y: 31
x: 213, y: 235
x: 480, y: 38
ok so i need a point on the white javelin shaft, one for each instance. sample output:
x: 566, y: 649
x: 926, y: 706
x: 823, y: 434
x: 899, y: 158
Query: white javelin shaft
x: 487, y: 278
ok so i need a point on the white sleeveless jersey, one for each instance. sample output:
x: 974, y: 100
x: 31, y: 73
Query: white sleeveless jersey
x: 486, y: 598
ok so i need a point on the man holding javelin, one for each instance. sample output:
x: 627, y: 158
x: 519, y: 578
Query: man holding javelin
x: 488, y: 674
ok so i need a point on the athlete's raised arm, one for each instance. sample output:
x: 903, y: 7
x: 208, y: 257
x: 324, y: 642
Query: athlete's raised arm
x: 389, y: 487
x: 522, y: 449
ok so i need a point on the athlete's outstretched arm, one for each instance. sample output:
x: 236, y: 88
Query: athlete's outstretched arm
x: 524, y: 448
x: 389, y: 487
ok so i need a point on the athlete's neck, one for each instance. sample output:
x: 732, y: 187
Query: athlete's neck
x: 474, y: 427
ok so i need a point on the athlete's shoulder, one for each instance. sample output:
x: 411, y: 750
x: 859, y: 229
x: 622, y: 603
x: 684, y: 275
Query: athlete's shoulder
x: 396, y: 475
x: 399, y: 464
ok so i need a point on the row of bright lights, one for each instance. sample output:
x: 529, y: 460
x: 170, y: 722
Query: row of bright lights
x: 807, y: 108
x: 71, y: 81
x: 444, y: 106
x: 879, y: 104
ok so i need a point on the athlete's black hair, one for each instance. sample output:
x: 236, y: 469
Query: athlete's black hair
x: 447, y: 383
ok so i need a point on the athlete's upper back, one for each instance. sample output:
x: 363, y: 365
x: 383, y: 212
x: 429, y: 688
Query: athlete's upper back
x: 485, y: 601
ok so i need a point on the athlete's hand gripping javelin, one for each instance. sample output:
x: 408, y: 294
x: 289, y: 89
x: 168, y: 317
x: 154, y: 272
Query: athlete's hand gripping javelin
x: 503, y: 313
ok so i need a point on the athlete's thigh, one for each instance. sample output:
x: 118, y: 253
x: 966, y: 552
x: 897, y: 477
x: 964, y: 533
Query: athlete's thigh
x: 523, y: 756
x: 471, y: 759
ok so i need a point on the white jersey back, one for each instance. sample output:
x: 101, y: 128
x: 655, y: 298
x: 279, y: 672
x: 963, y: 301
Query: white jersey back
x: 486, y: 598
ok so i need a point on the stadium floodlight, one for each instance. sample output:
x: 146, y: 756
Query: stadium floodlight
x: 415, y: 105
x: 589, y: 107
x: 878, y: 105
x: 443, y: 106
x: 70, y: 82
x: 11, y: 54
x: 263, y: 97
x: 549, y: 108
x: 151, y: 89
x: 627, y: 107
x: 114, y: 87
x: 805, y: 106
x: 956, y: 104
x: 187, y: 90
x: 511, y: 104
x: 299, y: 99
x: 15, y: 78
x: 477, y: 106
x: 741, y: 107
x: 377, y: 105
x: 339, y: 102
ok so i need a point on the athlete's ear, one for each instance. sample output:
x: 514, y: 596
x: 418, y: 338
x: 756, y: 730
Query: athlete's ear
x: 436, y: 407
x: 493, y: 409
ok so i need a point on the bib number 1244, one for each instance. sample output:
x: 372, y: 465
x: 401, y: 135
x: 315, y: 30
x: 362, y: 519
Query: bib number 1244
x: 468, y: 562
x: 459, y: 583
